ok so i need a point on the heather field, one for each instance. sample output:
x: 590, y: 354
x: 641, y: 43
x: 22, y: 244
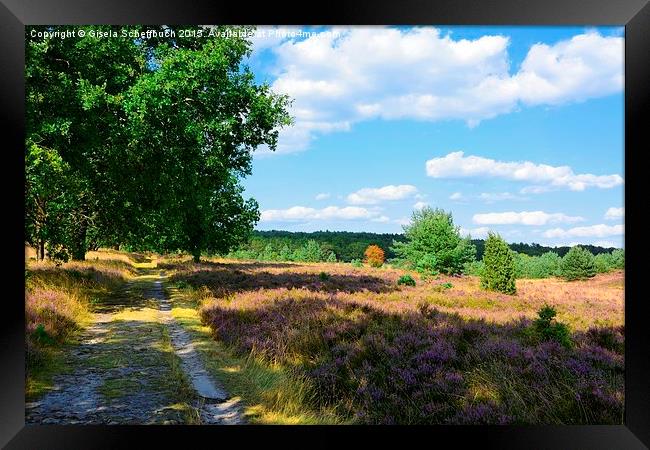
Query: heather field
x: 362, y: 349
x: 229, y: 225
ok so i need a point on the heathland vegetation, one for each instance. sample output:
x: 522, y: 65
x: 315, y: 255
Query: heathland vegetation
x: 140, y: 146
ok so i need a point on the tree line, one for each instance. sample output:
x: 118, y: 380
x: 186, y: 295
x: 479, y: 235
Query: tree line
x: 141, y: 142
x: 348, y: 246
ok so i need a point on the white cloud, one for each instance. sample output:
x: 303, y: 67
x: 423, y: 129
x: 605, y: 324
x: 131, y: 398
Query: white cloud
x: 457, y: 165
x: 402, y: 221
x: 323, y: 196
x: 266, y: 37
x: 606, y: 244
x: 420, y: 205
x: 492, y: 197
x: 298, y: 213
x: 599, y: 231
x: 476, y: 233
x: 371, y: 196
x: 523, y: 218
x: 456, y: 196
x: 362, y: 73
x: 614, y: 213
x: 381, y: 219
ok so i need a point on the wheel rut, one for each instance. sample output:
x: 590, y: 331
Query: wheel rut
x: 120, y: 370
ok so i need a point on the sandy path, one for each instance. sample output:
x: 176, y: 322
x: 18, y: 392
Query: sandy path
x: 120, y: 371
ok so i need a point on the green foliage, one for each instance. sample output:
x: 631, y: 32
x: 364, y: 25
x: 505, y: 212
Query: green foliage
x: 142, y: 142
x: 618, y: 259
x: 499, y: 272
x: 475, y: 268
x: 544, y: 266
x: 324, y: 276
x: 351, y: 245
x: 40, y: 336
x: 356, y: 263
x: 605, y: 262
x: 406, y: 280
x: 331, y: 258
x: 441, y: 287
x: 578, y: 264
x: 546, y: 328
x: 434, y: 244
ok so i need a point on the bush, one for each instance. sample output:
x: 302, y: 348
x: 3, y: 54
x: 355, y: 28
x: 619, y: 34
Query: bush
x: 406, y: 280
x: 356, y: 263
x: 618, y: 259
x: 603, y: 262
x: 324, y: 276
x: 544, y: 266
x: 331, y: 258
x: 374, y: 256
x: 474, y: 268
x: 441, y: 287
x: 434, y: 244
x: 578, y: 264
x: 499, y: 272
x: 546, y: 328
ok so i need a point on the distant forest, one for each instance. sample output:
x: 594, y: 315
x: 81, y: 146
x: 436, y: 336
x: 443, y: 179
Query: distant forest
x: 348, y: 245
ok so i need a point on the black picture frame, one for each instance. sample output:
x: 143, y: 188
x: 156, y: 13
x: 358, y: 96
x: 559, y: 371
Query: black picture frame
x: 634, y: 15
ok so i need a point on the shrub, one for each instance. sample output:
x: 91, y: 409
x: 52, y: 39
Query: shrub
x: 618, y: 259
x: 546, y: 328
x: 603, y: 262
x: 285, y: 253
x: 434, y: 244
x: 499, y: 272
x: 441, y: 287
x: 356, y: 263
x: 544, y: 266
x: 311, y: 252
x: 331, y: 258
x: 474, y: 268
x: 406, y: 280
x: 324, y: 276
x: 374, y: 256
x: 578, y: 264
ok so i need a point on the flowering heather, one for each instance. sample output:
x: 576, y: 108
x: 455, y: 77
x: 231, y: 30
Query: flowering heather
x: 57, y: 298
x: 378, y: 353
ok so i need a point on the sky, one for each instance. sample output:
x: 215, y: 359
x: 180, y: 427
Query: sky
x: 518, y: 130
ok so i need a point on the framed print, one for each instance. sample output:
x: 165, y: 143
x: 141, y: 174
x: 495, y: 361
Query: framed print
x: 371, y: 218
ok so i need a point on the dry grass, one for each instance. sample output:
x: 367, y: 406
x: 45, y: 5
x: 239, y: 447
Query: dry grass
x: 595, y: 302
x: 356, y: 347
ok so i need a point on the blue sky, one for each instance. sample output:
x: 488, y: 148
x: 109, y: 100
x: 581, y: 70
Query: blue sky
x: 518, y: 130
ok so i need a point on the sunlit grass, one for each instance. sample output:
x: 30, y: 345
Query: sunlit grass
x: 270, y: 394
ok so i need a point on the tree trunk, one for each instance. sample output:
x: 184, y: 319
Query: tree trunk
x: 197, y: 255
x: 79, y: 250
x: 41, y: 250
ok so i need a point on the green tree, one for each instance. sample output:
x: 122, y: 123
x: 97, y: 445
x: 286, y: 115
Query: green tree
x: 618, y: 259
x: 433, y: 244
x: 197, y: 118
x: 331, y: 258
x: 603, y: 262
x: 158, y: 134
x: 578, y: 264
x: 499, y: 266
x: 285, y: 253
x: 73, y: 92
x: 311, y: 252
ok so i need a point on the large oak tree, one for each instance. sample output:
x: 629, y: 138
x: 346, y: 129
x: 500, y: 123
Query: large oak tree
x: 148, y: 140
